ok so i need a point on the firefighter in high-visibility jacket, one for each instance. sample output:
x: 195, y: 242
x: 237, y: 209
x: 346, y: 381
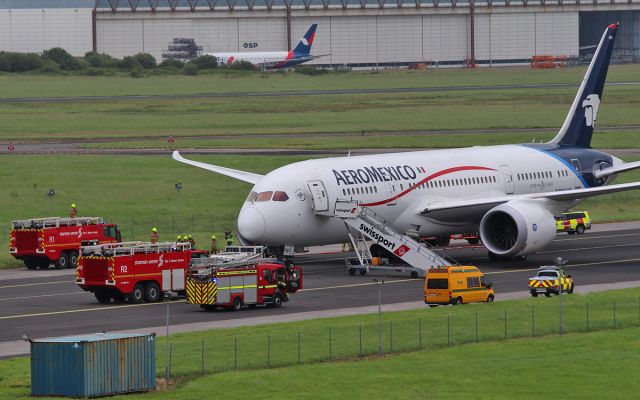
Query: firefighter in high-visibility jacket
x: 228, y: 236
x: 153, y: 236
x: 73, y: 211
x: 214, y: 245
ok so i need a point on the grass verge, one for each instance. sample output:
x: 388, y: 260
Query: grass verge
x: 497, y: 369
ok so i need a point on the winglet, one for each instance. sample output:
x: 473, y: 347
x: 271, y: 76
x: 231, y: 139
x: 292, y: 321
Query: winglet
x: 578, y: 126
x: 243, y: 176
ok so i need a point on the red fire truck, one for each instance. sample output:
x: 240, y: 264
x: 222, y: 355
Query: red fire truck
x: 232, y: 280
x: 42, y: 241
x: 134, y: 271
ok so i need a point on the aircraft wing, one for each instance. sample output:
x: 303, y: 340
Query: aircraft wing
x: 243, y: 176
x: 564, y: 195
x: 614, y: 170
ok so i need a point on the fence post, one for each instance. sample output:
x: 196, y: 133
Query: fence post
x: 588, y: 317
x: 268, y: 351
x: 170, y: 358
x: 202, y: 356
x: 505, y: 323
x: 132, y: 231
x: 235, y: 352
x: 391, y: 335
x: 638, y: 310
x: 614, y: 314
x: 448, y: 329
x: 360, y: 333
x: 420, y: 333
x: 476, y: 327
x: 299, y: 358
x: 533, y: 321
x: 330, y: 352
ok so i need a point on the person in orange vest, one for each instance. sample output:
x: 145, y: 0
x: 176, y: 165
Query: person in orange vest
x: 73, y: 211
x: 153, y: 238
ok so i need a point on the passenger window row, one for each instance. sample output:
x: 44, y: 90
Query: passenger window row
x: 527, y: 176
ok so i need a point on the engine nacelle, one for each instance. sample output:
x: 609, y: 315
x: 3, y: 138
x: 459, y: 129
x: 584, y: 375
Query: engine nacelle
x: 517, y: 228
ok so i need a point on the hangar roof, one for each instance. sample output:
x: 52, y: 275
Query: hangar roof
x: 15, y: 4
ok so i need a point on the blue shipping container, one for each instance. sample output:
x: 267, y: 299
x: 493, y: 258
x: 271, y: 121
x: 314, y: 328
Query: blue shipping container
x: 93, y: 365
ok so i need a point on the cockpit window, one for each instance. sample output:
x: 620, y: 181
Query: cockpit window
x: 280, y: 196
x: 264, y: 196
x: 252, y: 197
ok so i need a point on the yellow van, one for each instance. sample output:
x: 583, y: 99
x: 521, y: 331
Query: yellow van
x: 456, y: 285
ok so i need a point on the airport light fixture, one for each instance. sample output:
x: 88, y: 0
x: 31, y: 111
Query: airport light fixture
x: 560, y: 263
x: 178, y: 187
x: 379, y: 283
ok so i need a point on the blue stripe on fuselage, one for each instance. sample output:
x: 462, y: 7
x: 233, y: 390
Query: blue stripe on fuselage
x: 549, y: 151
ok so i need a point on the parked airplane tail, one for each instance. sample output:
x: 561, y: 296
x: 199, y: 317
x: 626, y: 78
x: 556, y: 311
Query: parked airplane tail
x: 304, y: 46
x: 577, y: 128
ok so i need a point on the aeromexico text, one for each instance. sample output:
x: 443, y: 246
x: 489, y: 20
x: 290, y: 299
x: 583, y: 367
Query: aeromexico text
x: 377, y: 237
x: 374, y: 174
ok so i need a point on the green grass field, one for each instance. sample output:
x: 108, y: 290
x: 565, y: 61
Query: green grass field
x: 392, y: 112
x: 451, y: 363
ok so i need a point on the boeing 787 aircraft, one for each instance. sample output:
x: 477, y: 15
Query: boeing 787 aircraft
x: 508, y: 193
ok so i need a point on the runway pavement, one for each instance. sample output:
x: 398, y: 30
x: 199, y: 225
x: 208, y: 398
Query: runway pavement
x: 48, y: 303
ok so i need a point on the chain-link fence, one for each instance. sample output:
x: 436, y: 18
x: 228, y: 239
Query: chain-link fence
x: 266, y: 347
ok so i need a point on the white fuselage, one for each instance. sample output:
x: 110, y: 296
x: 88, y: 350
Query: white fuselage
x: 257, y: 58
x: 398, y: 186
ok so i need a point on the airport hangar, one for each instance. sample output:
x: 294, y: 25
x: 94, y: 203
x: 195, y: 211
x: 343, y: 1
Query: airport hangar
x: 354, y: 33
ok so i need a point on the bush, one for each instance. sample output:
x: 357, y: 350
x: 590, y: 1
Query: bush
x: 172, y: 63
x: 190, y: 69
x: 21, y: 62
x: 137, y: 72
x: 63, y: 58
x: 243, y: 65
x: 146, y: 60
x: 5, y: 62
x: 205, y: 62
x: 310, y: 70
x: 100, y: 60
x: 50, y: 66
x: 129, y: 62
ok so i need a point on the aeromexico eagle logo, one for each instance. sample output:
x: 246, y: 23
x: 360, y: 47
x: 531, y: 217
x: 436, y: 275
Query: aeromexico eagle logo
x: 590, y: 105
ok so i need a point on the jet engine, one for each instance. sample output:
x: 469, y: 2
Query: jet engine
x: 517, y: 228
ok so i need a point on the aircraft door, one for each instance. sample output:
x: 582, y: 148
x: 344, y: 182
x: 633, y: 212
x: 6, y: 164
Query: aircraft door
x: 392, y: 189
x: 508, y: 179
x: 576, y: 165
x: 319, y: 197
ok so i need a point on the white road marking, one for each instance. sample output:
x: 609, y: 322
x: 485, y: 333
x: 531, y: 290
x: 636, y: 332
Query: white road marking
x: 35, y: 284
x: 42, y: 295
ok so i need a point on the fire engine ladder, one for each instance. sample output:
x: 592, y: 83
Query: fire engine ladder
x: 50, y: 222
x: 130, y: 248
x: 372, y: 228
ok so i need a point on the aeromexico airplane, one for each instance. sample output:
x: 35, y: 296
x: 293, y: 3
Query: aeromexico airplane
x: 508, y: 193
x: 274, y: 59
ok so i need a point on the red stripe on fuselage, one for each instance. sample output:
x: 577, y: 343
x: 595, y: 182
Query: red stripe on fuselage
x: 427, y: 179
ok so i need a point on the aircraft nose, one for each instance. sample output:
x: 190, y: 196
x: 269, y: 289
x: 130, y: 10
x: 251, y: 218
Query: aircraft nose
x: 251, y: 224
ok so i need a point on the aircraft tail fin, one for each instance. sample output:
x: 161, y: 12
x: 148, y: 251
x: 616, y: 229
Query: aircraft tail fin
x: 304, y: 46
x: 577, y: 128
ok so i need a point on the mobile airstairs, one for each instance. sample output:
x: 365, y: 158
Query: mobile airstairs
x: 366, y: 228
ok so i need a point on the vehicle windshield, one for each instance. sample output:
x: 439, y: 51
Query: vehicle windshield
x: 548, y: 273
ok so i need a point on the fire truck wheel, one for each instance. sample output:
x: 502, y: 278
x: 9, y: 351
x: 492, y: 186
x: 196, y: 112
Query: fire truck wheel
x: 73, y: 259
x: 277, y: 301
x: 580, y: 229
x: 30, y: 263
x: 63, y: 261
x: 44, y: 263
x: 103, y: 296
x: 363, y: 272
x: 352, y: 271
x: 237, y: 304
x: 152, y: 294
x: 137, y: 296
x: 118, y: 297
